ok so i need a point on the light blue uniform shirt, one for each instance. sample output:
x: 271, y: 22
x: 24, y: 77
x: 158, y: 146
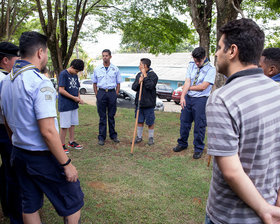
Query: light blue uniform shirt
x: 207, y: 74
x: 106, y: 79
x: 24, y: 100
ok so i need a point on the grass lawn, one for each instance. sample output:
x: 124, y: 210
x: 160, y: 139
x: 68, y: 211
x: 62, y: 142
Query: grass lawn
x: 155, y: 185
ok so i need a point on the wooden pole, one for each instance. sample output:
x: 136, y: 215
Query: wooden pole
x: 136, y: 120
x: 209, y: 160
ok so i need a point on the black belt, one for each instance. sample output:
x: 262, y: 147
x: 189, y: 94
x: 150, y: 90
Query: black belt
x: 107, y: 90
x: 34, y: 153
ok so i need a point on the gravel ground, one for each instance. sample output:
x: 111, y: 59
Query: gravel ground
x: 168, y: 106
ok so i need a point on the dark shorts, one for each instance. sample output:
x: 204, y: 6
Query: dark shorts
x: 40, y: 174
x: 146, y: 114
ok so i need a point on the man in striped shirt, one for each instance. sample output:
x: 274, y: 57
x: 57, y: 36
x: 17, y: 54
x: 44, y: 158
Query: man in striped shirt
x: 243, y: 132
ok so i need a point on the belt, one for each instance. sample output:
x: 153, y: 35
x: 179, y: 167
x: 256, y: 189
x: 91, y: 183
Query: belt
x: 107, y: 90
x: 34, y: 153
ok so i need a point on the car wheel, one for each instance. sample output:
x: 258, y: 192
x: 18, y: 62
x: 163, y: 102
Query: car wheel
x: 177, y: 102
x: 168, y: 100
x: 83, y: 91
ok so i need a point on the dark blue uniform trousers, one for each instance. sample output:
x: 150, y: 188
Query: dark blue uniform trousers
x: 9, y: 186
x: 193, y: 111
x: 106, y: 106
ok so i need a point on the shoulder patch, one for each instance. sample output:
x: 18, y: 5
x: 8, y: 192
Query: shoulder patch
x: 47, y: 89
x: 48, y: 97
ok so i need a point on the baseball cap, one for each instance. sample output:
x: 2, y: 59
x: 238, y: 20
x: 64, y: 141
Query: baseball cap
x: 9, y: 49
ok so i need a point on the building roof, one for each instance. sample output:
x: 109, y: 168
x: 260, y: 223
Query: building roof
x: 167, y: 67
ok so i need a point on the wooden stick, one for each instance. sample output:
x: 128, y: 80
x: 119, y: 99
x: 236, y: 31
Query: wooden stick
x: 136, y: 120
x: 209, y: 160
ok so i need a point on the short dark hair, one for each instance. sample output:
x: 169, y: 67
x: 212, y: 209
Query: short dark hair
x: 272, y: 57
x: 107, y: 51
x: 248, y: 37
x: 78, y: 64
x: 146, y: 61
x: 199, y: 53
x: 30, y: 42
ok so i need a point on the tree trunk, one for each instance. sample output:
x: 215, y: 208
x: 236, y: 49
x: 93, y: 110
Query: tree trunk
x: 60, y: 48
x: 225, y: 13
x: 201, y: 14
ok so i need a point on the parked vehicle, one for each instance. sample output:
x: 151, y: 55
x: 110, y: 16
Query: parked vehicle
x: 86, y: 86
x: 54, y: 82
x: 126, y: 99
x: 164, y: 92
x: 176, y: 96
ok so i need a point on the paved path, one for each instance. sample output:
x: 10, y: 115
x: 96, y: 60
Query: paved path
x: 168, y: 106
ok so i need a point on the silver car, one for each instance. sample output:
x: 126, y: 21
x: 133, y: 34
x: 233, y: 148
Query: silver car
x: 126, y: 98
x: 86, y: 86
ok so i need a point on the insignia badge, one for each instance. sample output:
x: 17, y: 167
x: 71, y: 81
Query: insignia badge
x: 48, y: 97
x: 47, y: 89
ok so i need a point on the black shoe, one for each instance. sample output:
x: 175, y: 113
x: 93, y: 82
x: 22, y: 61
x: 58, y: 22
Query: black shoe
x: 137, y: 140
x: 179, y: 148
x: 197, y: 155
x: 151, y: 141
x: 101, y: 142
x: 116, y: 140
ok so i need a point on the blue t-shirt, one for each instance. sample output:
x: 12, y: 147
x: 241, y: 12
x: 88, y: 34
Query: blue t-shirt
x: 71, y: 85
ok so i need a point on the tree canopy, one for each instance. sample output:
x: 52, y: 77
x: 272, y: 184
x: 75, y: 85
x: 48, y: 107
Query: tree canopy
x: 14, y: 17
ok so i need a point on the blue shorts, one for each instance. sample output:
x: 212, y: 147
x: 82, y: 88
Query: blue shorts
x: 146, y: 114
x: 38, y: 174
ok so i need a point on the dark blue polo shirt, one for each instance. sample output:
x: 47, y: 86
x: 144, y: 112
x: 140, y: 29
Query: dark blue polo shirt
x: 71, y: 85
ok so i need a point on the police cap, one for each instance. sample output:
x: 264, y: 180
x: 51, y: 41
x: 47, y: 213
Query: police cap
x: 9, y: 49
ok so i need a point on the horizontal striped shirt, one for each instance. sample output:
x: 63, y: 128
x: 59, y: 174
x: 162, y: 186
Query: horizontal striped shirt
x: 243, y: 117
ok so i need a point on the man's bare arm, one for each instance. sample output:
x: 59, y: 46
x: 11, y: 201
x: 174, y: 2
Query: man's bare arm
x: 184, y: 92
x: 52, y: 139
x: 200, y: 87
x: 242, y: 185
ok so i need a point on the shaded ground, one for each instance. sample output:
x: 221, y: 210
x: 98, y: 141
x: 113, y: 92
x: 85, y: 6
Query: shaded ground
x: 168, y: 106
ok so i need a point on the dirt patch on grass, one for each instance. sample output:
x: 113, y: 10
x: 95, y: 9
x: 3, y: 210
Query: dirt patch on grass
x: 197, y: 201
x: 98, y: 185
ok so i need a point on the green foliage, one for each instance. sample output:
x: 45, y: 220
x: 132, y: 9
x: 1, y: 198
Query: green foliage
x: 273, y: 4
x: 18, y: 15
x: 266, y: 14
x: 160, y: 34
x: 151, y: 26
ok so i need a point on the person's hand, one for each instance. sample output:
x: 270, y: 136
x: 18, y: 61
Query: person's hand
x: 81, y: 101
x: 278, y: 198
x: 71, y: 173
x: 76, y: 99
x: 271, y: 215
x: 182, y: 102
x: 141, y: 79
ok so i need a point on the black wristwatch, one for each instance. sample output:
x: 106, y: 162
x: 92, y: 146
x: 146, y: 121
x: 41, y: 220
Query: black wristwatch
x: 65, y: 164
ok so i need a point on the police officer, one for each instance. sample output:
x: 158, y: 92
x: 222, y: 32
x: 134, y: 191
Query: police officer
x: 197, y: 87
x: 106, y: 85
x: 28, y: 101
x: 9, y: 187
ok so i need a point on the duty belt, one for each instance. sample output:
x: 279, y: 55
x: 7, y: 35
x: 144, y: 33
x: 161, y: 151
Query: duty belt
x: 107, y: 90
